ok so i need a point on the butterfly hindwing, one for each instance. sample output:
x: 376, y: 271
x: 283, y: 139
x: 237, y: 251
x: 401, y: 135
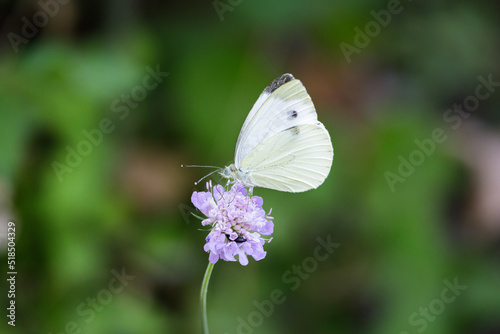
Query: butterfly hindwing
x: 294, y: 160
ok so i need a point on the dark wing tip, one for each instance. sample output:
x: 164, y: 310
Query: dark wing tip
x: 277, y: 83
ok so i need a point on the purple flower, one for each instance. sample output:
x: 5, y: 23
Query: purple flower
x: 237, y: 221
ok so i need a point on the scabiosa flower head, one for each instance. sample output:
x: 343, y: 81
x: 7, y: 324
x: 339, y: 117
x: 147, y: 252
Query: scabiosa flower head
x: 237, y: 221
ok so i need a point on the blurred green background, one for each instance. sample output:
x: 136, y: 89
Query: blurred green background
x: 74, y: 70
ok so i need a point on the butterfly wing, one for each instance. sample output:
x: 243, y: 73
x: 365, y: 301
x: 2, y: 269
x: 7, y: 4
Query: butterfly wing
x: 282, y: 105
x: 282, y: 145
x: 295, y: 160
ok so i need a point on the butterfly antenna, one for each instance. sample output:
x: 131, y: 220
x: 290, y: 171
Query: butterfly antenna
x: 198, y: 182
x: 200, y: 166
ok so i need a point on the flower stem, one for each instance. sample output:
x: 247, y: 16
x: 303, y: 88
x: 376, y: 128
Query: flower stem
x: 203, y: 297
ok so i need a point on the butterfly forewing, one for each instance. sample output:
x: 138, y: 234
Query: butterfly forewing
x: 278, y: 108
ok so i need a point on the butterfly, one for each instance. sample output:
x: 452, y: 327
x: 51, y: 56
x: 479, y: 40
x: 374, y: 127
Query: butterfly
x: 282, y: 145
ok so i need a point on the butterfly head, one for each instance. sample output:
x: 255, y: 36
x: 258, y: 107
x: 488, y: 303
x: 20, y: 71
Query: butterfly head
x: 229, y: 172
x: 235, y: 174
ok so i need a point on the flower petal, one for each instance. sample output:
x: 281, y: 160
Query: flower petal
x: 238, y: 221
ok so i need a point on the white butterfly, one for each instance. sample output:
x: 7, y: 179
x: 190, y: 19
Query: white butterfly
x: 282, y: 145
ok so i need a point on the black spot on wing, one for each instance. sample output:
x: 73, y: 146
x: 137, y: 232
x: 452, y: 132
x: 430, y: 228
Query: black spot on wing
x: 292, y: 114
x: 277, y: 83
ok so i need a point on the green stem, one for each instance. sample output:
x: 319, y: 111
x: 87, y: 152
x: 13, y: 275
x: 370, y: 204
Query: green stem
x: 203, y: 297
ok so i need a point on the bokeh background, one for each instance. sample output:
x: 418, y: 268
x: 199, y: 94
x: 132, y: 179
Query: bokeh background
x: 123, y: 204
